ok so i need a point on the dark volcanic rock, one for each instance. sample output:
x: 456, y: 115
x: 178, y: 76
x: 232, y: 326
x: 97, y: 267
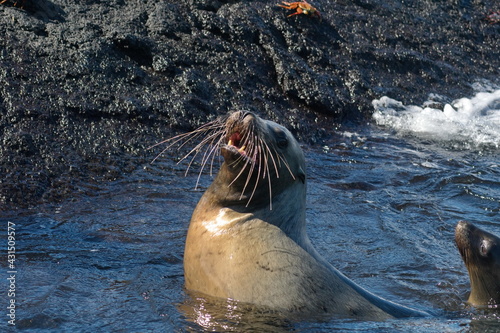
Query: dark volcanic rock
x: 87, y: 86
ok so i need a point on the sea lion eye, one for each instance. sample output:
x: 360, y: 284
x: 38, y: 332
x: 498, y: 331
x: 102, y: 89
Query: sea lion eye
x: 282, y: 143
x: 485, y: 246
x: 280, y: 137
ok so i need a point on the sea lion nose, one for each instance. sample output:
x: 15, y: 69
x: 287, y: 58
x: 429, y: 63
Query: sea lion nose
x: 461, y: 225
x: 247, y: 113
x: 461, y: 230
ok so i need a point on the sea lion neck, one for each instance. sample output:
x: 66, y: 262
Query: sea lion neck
x: 254, y: 191
x: 291, y: 221
x: 229, y: 190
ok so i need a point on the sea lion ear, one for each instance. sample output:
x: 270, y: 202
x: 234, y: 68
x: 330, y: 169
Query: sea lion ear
x: 301, y: 175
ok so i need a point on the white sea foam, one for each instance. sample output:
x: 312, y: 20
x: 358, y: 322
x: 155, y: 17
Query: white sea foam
x: 465, y: 123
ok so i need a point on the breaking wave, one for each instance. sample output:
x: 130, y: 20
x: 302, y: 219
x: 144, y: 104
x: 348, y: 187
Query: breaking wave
x: 466, y: 123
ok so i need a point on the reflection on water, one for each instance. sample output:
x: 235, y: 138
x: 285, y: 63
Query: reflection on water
x: 223, y: 315
x: 380, y: 208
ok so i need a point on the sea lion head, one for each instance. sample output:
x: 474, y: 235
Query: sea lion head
x: 262, y: 159
x: 480, y: 252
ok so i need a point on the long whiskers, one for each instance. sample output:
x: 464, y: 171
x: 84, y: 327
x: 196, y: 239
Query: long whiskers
x: 286, y: 164
x: 258, y: 159
x: 251, y: 151
x: 217, y: 124
x: 258, y: 151
x: 270, y: 154
x: 266, y: 155
x: 196, y: 150
x: 209, y: 154
x: 212, y: 133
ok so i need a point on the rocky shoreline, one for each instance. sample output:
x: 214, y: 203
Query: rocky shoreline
x: 87, y: 87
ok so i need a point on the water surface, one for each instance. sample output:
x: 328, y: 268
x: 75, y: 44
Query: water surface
x: 382, y: 207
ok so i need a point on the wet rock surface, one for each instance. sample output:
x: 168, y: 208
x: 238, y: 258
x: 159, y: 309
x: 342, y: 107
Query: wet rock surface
x: 86, y: 87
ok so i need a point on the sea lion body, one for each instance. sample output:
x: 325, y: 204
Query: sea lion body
x: 480, y: 252
x: 247, y: 239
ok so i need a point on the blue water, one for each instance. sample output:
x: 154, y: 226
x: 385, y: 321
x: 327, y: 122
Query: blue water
x: 382, y: 207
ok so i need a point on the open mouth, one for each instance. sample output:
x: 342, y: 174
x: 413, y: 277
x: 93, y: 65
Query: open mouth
x: 235, y: 141
x: 240, y: 148
x: 234, y: 151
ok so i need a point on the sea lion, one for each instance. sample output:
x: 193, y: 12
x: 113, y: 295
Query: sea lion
x: 480, y: 252
x: 247, y: 238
